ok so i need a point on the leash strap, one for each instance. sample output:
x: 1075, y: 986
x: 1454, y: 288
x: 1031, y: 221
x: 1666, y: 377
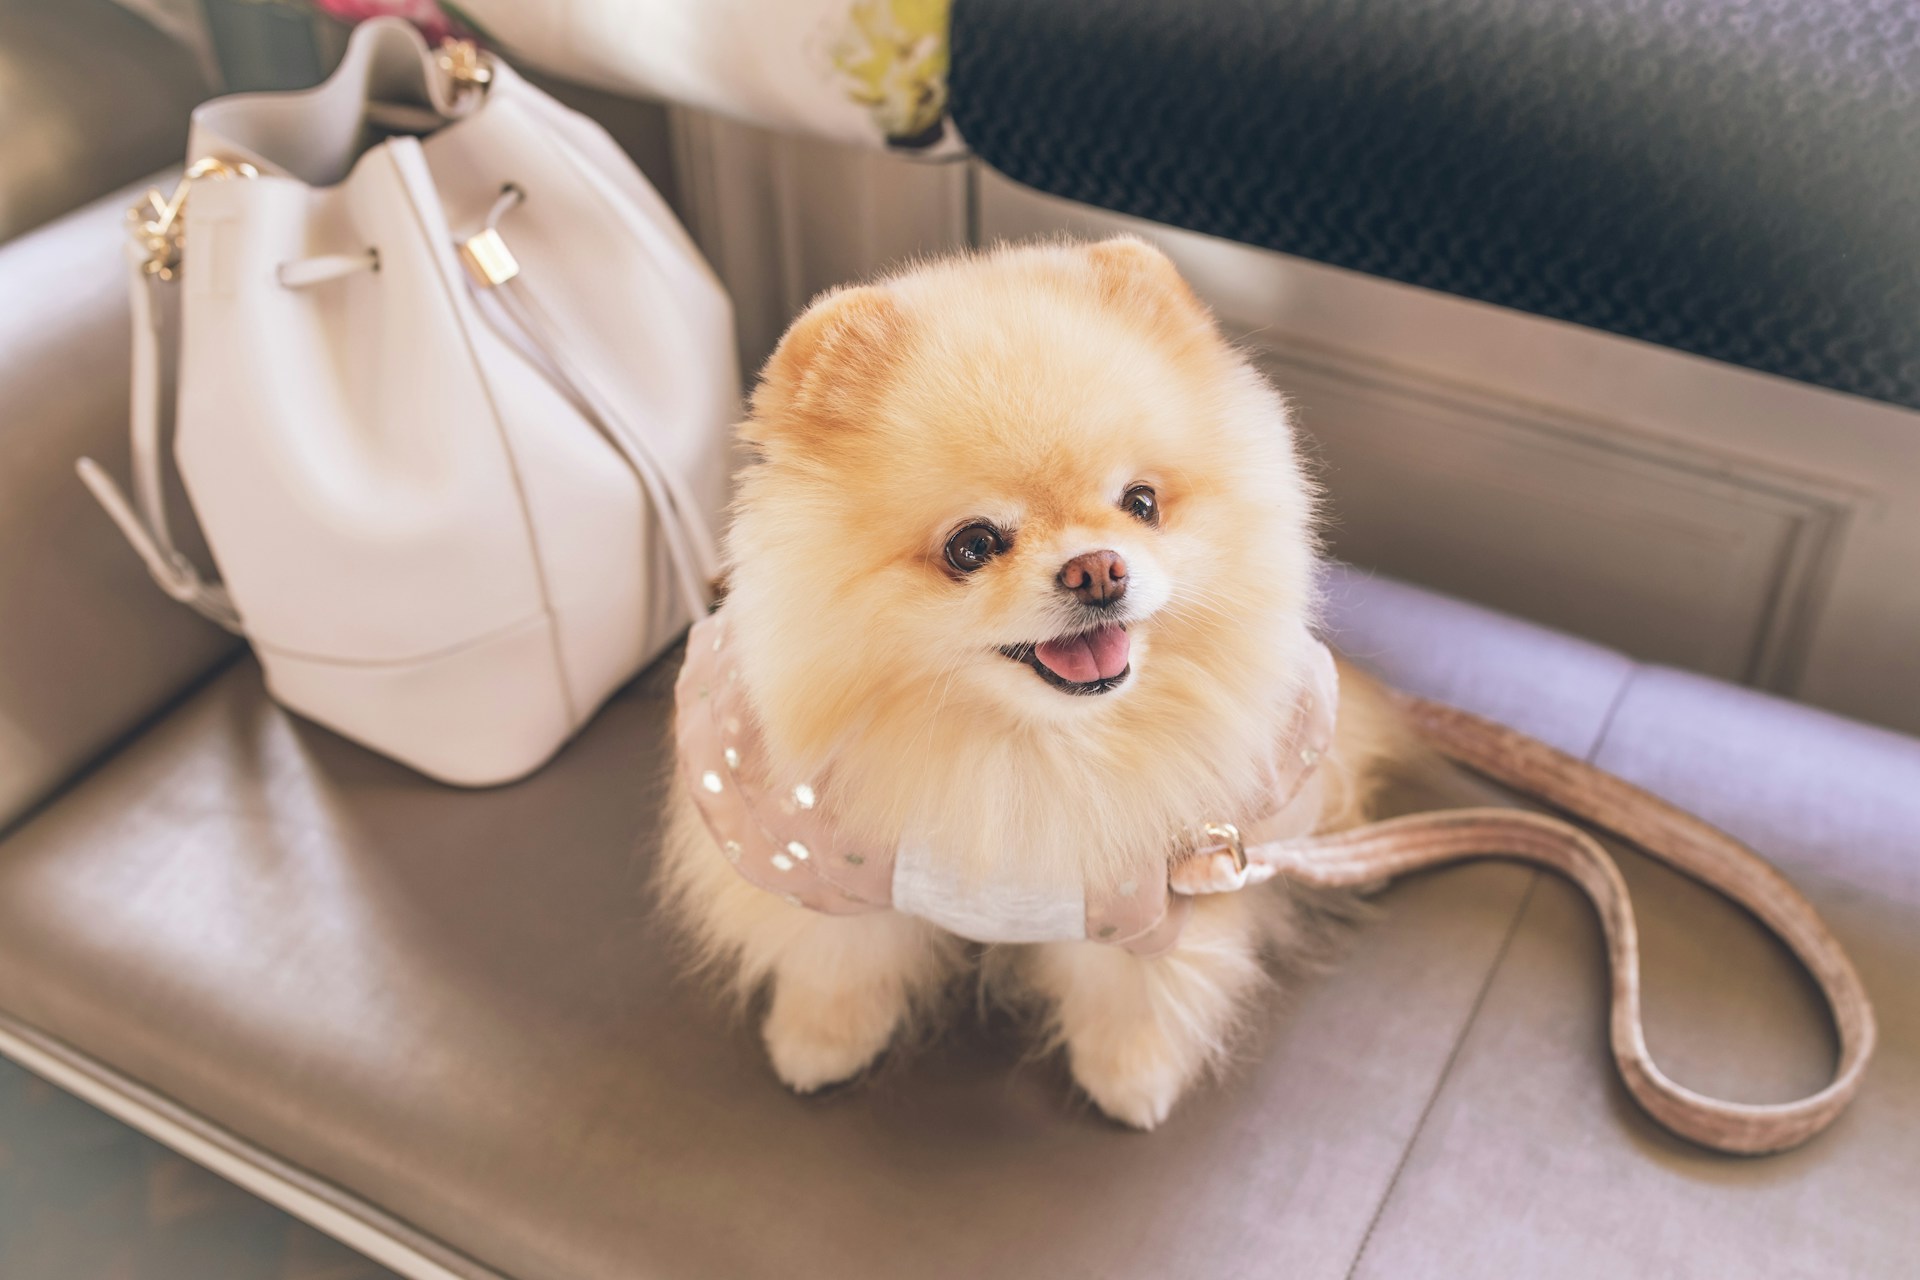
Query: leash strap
x: 1384, y: 850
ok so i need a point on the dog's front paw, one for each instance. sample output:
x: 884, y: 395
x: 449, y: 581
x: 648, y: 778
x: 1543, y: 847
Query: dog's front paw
x: 816, y: 1039
x: 1136, y: 1084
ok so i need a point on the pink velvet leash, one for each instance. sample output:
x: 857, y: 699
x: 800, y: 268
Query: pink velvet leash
x: 1380, y: 851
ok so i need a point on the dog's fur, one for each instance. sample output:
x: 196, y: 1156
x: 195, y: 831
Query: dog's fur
x: 1029, y: 387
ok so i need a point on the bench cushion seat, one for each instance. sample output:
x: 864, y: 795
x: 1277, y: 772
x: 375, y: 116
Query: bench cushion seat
x: 449, y: 1019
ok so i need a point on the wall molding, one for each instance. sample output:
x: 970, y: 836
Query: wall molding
x: 1807, y: 517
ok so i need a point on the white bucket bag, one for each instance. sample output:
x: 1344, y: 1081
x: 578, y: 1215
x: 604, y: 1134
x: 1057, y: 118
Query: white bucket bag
x: 454, y: 395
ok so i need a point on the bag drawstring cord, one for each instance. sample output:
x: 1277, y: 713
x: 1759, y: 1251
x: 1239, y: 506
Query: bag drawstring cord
x: 689, y: 543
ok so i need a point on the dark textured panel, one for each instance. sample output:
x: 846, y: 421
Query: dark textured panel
x: 1735, y: 178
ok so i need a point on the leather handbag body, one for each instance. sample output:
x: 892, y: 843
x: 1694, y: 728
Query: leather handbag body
x: 454, y: 392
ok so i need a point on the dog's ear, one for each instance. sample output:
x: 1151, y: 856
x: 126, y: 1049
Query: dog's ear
x: 828, y: 369
x: 1138, y: 278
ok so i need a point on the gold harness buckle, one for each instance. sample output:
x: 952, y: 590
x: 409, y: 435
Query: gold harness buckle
x: 1229, y: 836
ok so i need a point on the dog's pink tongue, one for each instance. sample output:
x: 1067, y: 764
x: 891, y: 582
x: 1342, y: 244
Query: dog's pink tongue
x: 1097, y: 655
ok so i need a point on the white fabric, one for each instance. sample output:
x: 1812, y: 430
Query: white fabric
x: 446, y: 538
x: 860, y: 71
x: 984, y: 908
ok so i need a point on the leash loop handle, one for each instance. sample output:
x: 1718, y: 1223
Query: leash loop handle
x: 1384, y: 850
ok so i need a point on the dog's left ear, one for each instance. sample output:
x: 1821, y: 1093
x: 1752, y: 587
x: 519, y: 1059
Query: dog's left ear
x: 1137, y: 277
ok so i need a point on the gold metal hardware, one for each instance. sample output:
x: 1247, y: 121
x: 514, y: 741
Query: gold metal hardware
x: 156, y: 222
x: 488, y: 260
x: 464, y: 64
x: 1229, y: 835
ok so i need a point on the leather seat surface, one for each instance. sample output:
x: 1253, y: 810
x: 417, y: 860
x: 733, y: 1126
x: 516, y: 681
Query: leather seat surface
x: 1534, y: 1162
x: 459, y: 1009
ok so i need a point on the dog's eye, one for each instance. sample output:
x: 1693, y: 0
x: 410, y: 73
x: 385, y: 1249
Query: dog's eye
x: 1140, y: 503
x: 971, y: 547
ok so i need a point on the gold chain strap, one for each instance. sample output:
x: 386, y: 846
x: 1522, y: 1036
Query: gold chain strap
x: 156, y: 221
x: 464, y: 64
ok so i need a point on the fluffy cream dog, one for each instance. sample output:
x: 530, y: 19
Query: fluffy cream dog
x: 1020, y: 567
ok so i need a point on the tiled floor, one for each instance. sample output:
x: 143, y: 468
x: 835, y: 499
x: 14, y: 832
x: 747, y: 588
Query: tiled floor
x: 83, y: 1197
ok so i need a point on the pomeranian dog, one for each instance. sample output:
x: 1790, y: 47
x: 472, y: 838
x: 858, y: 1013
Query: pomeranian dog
x: 1020, y: 576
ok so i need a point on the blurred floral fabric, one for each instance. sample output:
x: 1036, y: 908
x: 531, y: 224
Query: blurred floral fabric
x: 434, y: 21
x: 892, y: 60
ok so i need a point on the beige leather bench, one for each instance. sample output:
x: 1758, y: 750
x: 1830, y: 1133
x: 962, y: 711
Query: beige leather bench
x: 444, y: 1026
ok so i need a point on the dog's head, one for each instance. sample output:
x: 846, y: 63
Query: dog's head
x: 1029, y: 490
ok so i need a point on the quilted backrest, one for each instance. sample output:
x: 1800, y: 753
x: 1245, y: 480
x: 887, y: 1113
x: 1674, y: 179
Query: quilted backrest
x: 1736, y: 180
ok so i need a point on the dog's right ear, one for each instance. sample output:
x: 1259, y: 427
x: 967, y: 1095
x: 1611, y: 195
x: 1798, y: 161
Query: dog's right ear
x: 828, y: 369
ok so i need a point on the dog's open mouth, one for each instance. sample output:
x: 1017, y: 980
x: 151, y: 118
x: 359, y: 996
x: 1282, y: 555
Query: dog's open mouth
x: 1089, y: 662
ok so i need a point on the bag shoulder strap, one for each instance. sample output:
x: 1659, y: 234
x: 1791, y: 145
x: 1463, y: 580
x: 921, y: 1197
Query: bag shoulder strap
x: 1384, y: 850
x: 144, y: 521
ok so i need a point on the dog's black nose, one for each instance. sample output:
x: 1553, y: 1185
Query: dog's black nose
x: 1098, y: 578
